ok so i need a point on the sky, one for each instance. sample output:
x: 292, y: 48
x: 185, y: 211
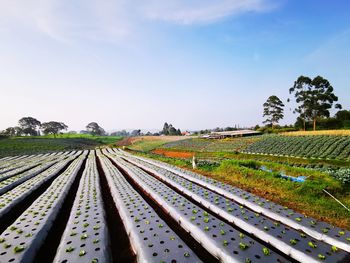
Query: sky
x: 197, y: 64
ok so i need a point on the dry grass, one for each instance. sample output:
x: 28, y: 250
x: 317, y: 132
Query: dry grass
x: 322, y: 132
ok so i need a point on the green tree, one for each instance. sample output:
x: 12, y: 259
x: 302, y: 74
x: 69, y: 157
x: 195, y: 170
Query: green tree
x: 314, y: 98
x: 94, y: 129
x: 29, y: 126
x: 273, y: 110
x: 53, y: 127
x: 10, y: 131
x: 165, y: 130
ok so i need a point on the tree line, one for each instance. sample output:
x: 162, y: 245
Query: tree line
x: 314, y: 98
x: 29, y: 126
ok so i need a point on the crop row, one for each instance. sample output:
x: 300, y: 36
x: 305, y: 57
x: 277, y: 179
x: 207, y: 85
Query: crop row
x: 336, y: 237
x: 27, y: 164
x: 206, y: 145
x: 22, y: 239
x: 13, y: 180
x: 215, y: 235
x: 324, y: 147
x: 151, y: 238
x: 85, y: 238
x: 12, y: 198
x: 294, y: 243
x: 68, y: 211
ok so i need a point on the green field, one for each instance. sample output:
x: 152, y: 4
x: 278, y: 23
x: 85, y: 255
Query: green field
x: 211, y: 145
x: 44, y: 144
x: 317, y: 146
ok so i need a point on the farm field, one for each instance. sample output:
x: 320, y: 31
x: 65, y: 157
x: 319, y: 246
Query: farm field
x: 298, y: 145
x: 43, y: 144
x: 317, y: 146
x: 148, y: 143
x: 214, y: 145
x: 107, y: 205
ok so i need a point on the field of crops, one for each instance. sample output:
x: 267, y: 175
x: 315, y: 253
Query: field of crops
x: 110, y: 206
x: 323, y: 147
x: 44, y: 144
x: 206, y: 145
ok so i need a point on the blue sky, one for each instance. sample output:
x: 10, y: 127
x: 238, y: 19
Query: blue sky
x: 138, y: 63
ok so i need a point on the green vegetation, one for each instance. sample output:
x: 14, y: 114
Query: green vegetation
x: 273, y: 109
x: 324, y: 147
x: 44, y: 144
x: 206, y: 145
x: 314, y: 98
x: 147, y: 145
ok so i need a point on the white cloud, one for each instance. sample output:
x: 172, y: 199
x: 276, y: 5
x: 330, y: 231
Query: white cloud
x: 110, y: 20
x: 201, y: 11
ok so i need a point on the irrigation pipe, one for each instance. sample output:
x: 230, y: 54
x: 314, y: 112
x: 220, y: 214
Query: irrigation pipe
x: 336, y: 200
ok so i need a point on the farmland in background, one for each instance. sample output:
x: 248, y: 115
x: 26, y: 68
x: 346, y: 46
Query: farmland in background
x: 43, y: 144
x: 212, y: 145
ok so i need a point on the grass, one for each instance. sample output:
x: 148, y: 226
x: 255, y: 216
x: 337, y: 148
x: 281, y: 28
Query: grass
x: 321, y: 132
x: 145, y: 146
x: 44, y: 144
x: 148, y: 143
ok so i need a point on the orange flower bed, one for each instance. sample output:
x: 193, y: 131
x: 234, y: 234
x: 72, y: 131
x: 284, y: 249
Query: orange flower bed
x: 173, y: 154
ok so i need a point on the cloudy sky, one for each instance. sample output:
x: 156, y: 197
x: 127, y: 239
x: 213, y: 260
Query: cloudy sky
x: 138, y: 63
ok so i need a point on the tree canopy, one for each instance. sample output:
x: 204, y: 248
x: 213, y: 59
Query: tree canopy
x: 314, y: 98
x: 94, y: 129
x: 273, y: 109
x: 53, y: 127
x: 29, y: 126
x: 168, y: 129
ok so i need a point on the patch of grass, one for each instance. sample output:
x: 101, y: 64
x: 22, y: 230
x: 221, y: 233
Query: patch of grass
x: 147, y: 145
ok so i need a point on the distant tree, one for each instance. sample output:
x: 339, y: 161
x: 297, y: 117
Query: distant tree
x: 169, y: 129
x: 72, y: 132
x: 165, y: 130
x: 123, y: 133
x: 314, y: 97
x: 29, y: 126
x: 273, y: 109
x: 10, y: 131
x: 53, y: 127
x: 94, y: 129
x: 343, y: 115
x: 136, y: 133
x: 84, y: 132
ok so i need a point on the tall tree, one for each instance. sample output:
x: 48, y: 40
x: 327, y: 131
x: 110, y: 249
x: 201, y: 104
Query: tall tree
x: 95, y: 129
x: 29, y: 125
x: 314, y: 98
x: 165, y: 130
x: 53, y: 127
x: 273, y: 110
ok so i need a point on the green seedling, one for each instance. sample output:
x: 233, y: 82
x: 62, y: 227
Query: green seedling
x: 266, y: 251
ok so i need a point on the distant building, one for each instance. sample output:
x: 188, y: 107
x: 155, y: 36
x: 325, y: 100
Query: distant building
x: 186, y: 133
x: 231, y: 134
